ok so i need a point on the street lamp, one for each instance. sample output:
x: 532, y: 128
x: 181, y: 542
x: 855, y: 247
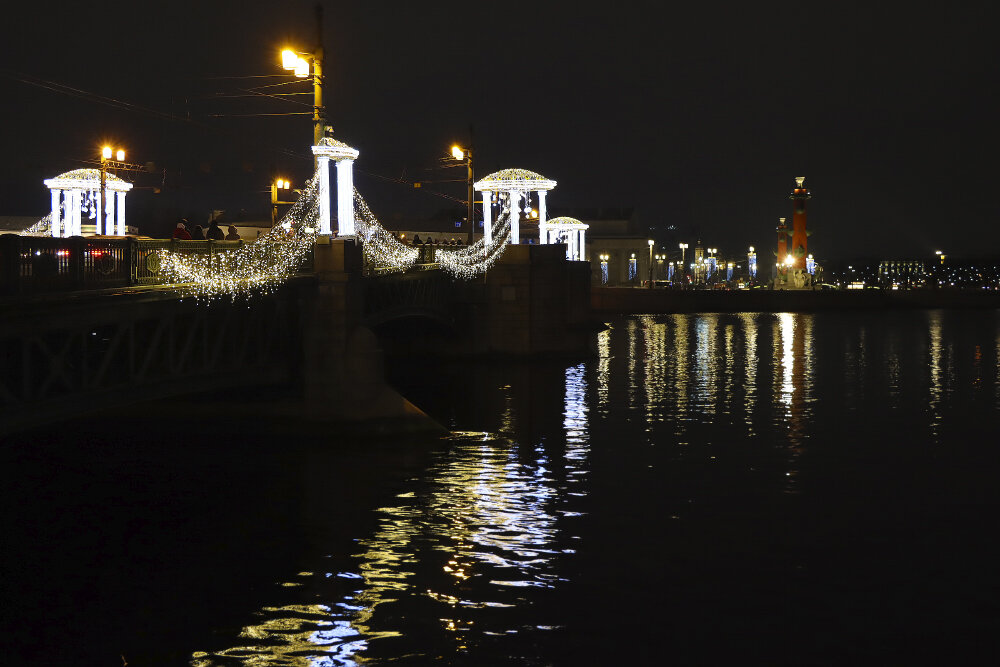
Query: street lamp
x: 279, y: 184
x: 683, y: 247
x: 711, y: 262
x: 106, y: 161
x: 298, y: 63
x: 650, y: 242
x: 463, y: 154
x: 604, y: 269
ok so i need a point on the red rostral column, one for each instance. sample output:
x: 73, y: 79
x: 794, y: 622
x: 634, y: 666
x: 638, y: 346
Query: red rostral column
x: 800, y: 245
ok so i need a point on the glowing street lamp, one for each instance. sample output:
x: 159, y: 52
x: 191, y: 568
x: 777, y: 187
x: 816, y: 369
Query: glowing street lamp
x: 683, y: 247
x: 604, y: 268
x: 463, y: 154
x: 298, y: 63
x: 279, y: 184
x: 102, y: 206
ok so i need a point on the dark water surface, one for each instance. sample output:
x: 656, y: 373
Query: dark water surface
x: 774, y: 489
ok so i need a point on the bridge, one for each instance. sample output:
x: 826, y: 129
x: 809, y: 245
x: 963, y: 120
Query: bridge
x: 99, y: 323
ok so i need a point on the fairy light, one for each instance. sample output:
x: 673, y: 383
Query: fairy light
x: 259, y: 266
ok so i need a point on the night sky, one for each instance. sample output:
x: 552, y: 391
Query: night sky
x: 698, y: 116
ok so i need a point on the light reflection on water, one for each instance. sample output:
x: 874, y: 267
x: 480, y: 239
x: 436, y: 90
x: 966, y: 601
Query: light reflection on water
x: 491, y: 520
x: 465, y: 556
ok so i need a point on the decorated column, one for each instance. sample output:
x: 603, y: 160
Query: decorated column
x: 328, y: 149
x: 487, y: 217
x: 109, y: 216
x: 515, y: 217
x: 120, y: 212
x: 543, y: 231
x: 345, y: 197
x: 56, y: 219
x: 323, y: 167
x: 582, y: 253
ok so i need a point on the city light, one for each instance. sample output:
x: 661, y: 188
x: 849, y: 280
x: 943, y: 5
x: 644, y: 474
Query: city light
x: 457, y: 153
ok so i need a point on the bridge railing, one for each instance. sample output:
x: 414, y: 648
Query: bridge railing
x: 32, y: 264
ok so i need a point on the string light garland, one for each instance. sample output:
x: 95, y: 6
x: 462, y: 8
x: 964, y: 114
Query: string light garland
x: 267, y: 262
x: 259, y: 266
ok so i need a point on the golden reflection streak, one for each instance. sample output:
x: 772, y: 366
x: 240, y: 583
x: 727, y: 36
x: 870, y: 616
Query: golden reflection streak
x: 794, y: 384
x: 935, y: 352
x: 750, y: 324
x: 631, y: 328
x: 681, y: 373
x: 706, y: 365
x: 655, y: 370
x: 730, y: 361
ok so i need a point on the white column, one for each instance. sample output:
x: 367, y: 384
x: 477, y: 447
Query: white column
x: 109, y: 215
x: 324, y: 195
x: 72, y: 212
x: 345, y: 197
x: 120, y: 212
x: 583, y: 245
x: 99, y: 218
x: 573, y: 238
x: 487, y: 217
x: 56, y: 218
x: 543, y: 230
x: 515, y: 217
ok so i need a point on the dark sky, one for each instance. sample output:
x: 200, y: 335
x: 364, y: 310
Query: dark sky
x: 697, y: 115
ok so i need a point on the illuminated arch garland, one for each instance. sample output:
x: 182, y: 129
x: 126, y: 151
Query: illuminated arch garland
x: 260, y: 265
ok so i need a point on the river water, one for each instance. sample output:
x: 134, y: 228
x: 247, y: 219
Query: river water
x: 709, y: 489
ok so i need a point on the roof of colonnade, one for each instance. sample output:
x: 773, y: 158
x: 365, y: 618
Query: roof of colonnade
x: 520, y: 180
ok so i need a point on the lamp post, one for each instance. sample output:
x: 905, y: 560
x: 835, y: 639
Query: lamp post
x: 465, y: 154
x: 279, y: 184
x: 711, y: 262
x: 683, y: 247
x: 299, y: 65
x: 650, y: 242
x: 604, y: 269
x: 106, y: 161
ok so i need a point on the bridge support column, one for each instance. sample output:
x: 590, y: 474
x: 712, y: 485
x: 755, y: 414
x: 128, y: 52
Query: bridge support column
x: 342, y: 374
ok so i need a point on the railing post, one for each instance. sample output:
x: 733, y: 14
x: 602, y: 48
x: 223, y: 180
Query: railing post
x: 77, y: 244
x: 132, y: 256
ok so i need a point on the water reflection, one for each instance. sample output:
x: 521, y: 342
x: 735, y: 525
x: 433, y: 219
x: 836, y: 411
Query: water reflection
x: 491, y: 520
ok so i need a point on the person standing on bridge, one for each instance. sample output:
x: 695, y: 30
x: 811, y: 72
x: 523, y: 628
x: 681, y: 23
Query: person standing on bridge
x: 215, y: 232
x: 198, y: 234
x: 234, y: 234
x: 181, y: 233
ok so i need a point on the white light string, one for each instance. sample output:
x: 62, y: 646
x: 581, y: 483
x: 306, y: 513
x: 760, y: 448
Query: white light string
x: 258, y: 266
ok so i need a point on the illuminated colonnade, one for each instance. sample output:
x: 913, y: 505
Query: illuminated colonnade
x: 570, y: 231
x: 518, y: 183
x: 73, y: 191
x: 329, y: 148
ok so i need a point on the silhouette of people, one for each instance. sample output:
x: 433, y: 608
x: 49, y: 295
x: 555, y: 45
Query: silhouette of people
x: 416, y: 239
x: 181, y: 232
x: 215, y: 232
x: 198, y: 234
x: 233, y: 234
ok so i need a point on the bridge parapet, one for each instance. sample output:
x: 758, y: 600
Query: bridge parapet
x: 32, y: 264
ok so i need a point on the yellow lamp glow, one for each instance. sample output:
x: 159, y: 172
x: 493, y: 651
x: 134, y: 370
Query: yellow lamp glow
x: 789, y: 260
x: 302, y: 68
x: 120, y: 156
x: 106, y: 152
x: 289, y: 60
x: 457, y: 153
